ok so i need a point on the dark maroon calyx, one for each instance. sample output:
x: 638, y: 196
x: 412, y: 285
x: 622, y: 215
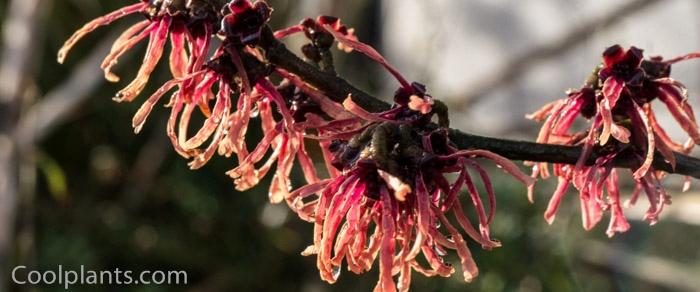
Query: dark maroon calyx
x: 622, y: 64
x: 589, y: 101
x: 301, y: 105
x: 191, y: 12
x: 656, y: 68
x: 244, y: 21
x: 319, y: 37
x: 222, y: 65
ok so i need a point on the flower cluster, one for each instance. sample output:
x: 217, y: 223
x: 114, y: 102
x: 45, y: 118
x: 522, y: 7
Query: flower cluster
x: 185, y: 24
x: 219, y: 87
x: 616, y: 100
x: 388, y: 194
x: 387, y: 171
x: 393, y: 177
x: 393, y: 188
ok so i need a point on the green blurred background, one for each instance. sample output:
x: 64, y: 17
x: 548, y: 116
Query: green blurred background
x: 92, y: 193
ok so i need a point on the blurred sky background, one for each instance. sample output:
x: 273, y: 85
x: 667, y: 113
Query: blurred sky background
x: 77, y: 187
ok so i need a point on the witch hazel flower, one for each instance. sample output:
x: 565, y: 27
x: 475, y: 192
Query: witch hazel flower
x: 257, y: 97
x: 389, y: 197
x: 286, y: 143
x: 186, y: 25
x: 616, y: 100
x: 204, y: 84
x: 195, y: 93
x: 391, y: 202
x: 219, y: 88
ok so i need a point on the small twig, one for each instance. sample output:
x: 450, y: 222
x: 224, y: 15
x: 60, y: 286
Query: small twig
x: 338, y: 89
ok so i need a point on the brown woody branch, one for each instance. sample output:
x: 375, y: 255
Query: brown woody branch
x: 338, y: 89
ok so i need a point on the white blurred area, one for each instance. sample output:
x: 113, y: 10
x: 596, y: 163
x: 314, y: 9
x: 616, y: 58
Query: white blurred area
x: 459, y: 48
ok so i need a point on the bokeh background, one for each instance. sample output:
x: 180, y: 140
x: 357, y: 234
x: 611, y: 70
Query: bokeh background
x: 77, y: 187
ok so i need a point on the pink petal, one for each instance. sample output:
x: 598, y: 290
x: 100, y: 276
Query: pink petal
x: 618, y: 222
x: 454, y: 190
x: 210, y: 124
x: 153, y: 54
x: 586, y: 153
x: 400, y: 188
x: 423, y: 206
x: 204, y: 157
x: 554, y: 202
x: 685, y: 122
x: 125, y: 42
x: 661, y: 133
x: 469, y: 268
x: 683, y: 58
x: 469, y: 229
x: 288, y: 31
x: 386, y: 282
x: 369, y: 52
x: 549, y: 123
x: 357, y: 110
x: 279, y: 187
x: 546, y: 111
x: 178, y: 55
x: 266, y: 86
x: 488, y: 186
x: 341, y: 202
x: 612, y: 88
x: 145, y: 109
x: 590, y: 212
x: 478, y: 205
x: 330, y: 107
x: 501, y: 161
x: 307, y: 165
x: 94, y: 24
x: 642, y: 170
x: 177, y: 103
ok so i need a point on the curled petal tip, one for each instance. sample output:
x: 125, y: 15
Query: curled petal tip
x: 686, y: 185
x: 549, y: 218
x: 309, y: 250
x: 119, y: 97
x: 276, y: 199
x: 604, y: 137
x: 627, y: 204
x: 111, y: 77
x: 531, y: 193
x: 137, y: 129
